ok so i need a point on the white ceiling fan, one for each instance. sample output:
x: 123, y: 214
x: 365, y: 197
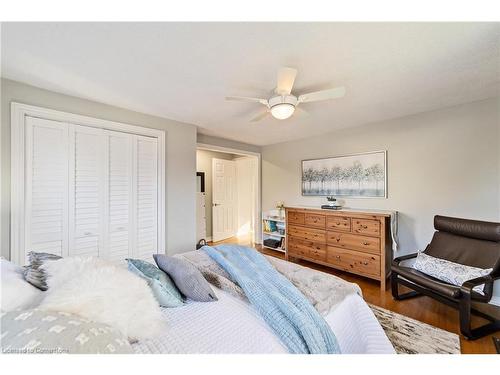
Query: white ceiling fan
x: 283, y: 104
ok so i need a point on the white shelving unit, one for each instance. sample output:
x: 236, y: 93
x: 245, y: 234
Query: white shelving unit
x: 275, y: 220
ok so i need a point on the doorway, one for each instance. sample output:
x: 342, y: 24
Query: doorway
x: 228, y: 205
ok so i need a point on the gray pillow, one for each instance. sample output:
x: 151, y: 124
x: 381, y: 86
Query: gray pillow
x: 33, y: 273
x: 36, y: 331
x: 186, y: 277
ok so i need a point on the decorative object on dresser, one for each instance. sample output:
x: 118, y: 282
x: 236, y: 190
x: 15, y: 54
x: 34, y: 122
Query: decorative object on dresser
x: 333, y: 204
x: 357, y: 175
x: 461, y: 243
x: 350, y: 240
x: 274, y: 229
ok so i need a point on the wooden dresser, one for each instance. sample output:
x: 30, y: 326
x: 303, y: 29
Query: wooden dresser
x: 349, y: 240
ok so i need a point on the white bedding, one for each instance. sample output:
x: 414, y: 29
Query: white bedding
x: 232, y: 326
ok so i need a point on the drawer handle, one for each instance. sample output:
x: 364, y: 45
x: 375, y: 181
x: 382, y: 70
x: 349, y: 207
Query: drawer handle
x: 337, y: 256
x: 364, y: 226
x: 337, y: 239
x: 87, y: 233
x: 337, y: 223
x: 365, y: 263
x: 366, y: 243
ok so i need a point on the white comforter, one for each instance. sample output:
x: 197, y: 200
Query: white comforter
x: 232, y: 326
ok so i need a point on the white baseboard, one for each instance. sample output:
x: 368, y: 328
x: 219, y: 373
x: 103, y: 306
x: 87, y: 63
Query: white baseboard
x: 495, y: 300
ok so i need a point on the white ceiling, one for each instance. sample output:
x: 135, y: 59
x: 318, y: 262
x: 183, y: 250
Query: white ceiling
x: 183, y: 71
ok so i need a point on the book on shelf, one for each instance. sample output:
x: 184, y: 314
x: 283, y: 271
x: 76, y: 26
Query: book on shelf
x: 270, y: 226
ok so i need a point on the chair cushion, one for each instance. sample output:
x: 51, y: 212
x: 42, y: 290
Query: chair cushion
x: 480, y: 230
x: 435, y: 285
x: 464, y: 250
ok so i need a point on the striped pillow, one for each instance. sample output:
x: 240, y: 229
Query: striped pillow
x: 35, y: 275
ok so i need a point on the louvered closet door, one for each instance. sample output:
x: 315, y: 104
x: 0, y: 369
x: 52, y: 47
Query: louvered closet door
x: 119, y: 189
x: 46, y: 189
x: 146, y: 197
x: 86, y: 191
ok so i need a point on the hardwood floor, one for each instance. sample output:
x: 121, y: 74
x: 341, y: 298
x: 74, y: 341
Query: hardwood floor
x: 423, y: 309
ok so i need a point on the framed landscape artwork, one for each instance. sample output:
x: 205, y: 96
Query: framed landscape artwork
x: 357, y: 176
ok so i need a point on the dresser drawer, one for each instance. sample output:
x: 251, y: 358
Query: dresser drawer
x: 315, y: 220
x: 366, y: 226
x: 294, y: 217
x: 353, y: 241
x: 294, y: 247
x: 338, y: 223
x: 308, y: 249
x: 354, y: 261
x: 310, y: 234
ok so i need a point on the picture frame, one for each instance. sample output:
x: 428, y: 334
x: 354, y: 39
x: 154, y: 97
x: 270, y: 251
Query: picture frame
x: 360, y: 175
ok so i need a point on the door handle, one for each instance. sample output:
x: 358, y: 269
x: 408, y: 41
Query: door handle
x: 215, y: 204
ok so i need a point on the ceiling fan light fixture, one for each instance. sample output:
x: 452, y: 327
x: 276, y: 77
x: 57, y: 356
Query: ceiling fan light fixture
x: 282, y: 111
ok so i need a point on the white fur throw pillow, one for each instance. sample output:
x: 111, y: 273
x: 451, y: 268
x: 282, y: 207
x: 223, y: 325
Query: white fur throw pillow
x: 100, y: 291
x: 16, y: 293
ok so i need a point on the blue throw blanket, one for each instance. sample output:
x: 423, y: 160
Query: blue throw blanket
x: 284, y: 308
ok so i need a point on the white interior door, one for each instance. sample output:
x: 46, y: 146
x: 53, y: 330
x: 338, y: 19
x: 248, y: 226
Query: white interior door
x: 86, y: 191
x: 146, y: 197
x: 46, y: 176
x: 119, y: 195
x: 224, y: 199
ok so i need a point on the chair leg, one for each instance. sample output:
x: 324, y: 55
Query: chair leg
x: 395, y: 290
x: 465, y: 322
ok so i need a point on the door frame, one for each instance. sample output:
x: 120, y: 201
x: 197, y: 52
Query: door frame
x: 257, y: 233
x: 18, y: 113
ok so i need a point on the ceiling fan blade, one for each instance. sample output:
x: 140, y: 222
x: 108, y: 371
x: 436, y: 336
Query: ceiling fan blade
x: 247, y: 99
x: 300, y: 112
x: 336, y: 92
x: 286, y: 78
x: 260, y: 116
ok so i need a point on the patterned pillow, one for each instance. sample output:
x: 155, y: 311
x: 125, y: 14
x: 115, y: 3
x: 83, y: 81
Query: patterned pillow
x: 36, y: 331
x: 187, y: 278
x: 164, y: 290
x: 450, y: 272
x: 33, y: 273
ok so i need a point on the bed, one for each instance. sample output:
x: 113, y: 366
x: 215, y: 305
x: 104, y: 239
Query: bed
x: 231, y: 325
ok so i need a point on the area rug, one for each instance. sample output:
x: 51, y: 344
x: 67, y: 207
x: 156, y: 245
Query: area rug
x: 409, y: 336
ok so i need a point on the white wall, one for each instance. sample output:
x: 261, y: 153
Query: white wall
x: 204, y: 164
x: 442, y: 162
x: 180, y: 154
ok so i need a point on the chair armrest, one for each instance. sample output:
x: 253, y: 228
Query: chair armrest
x: 467, y: 287
x: 398, y: 260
